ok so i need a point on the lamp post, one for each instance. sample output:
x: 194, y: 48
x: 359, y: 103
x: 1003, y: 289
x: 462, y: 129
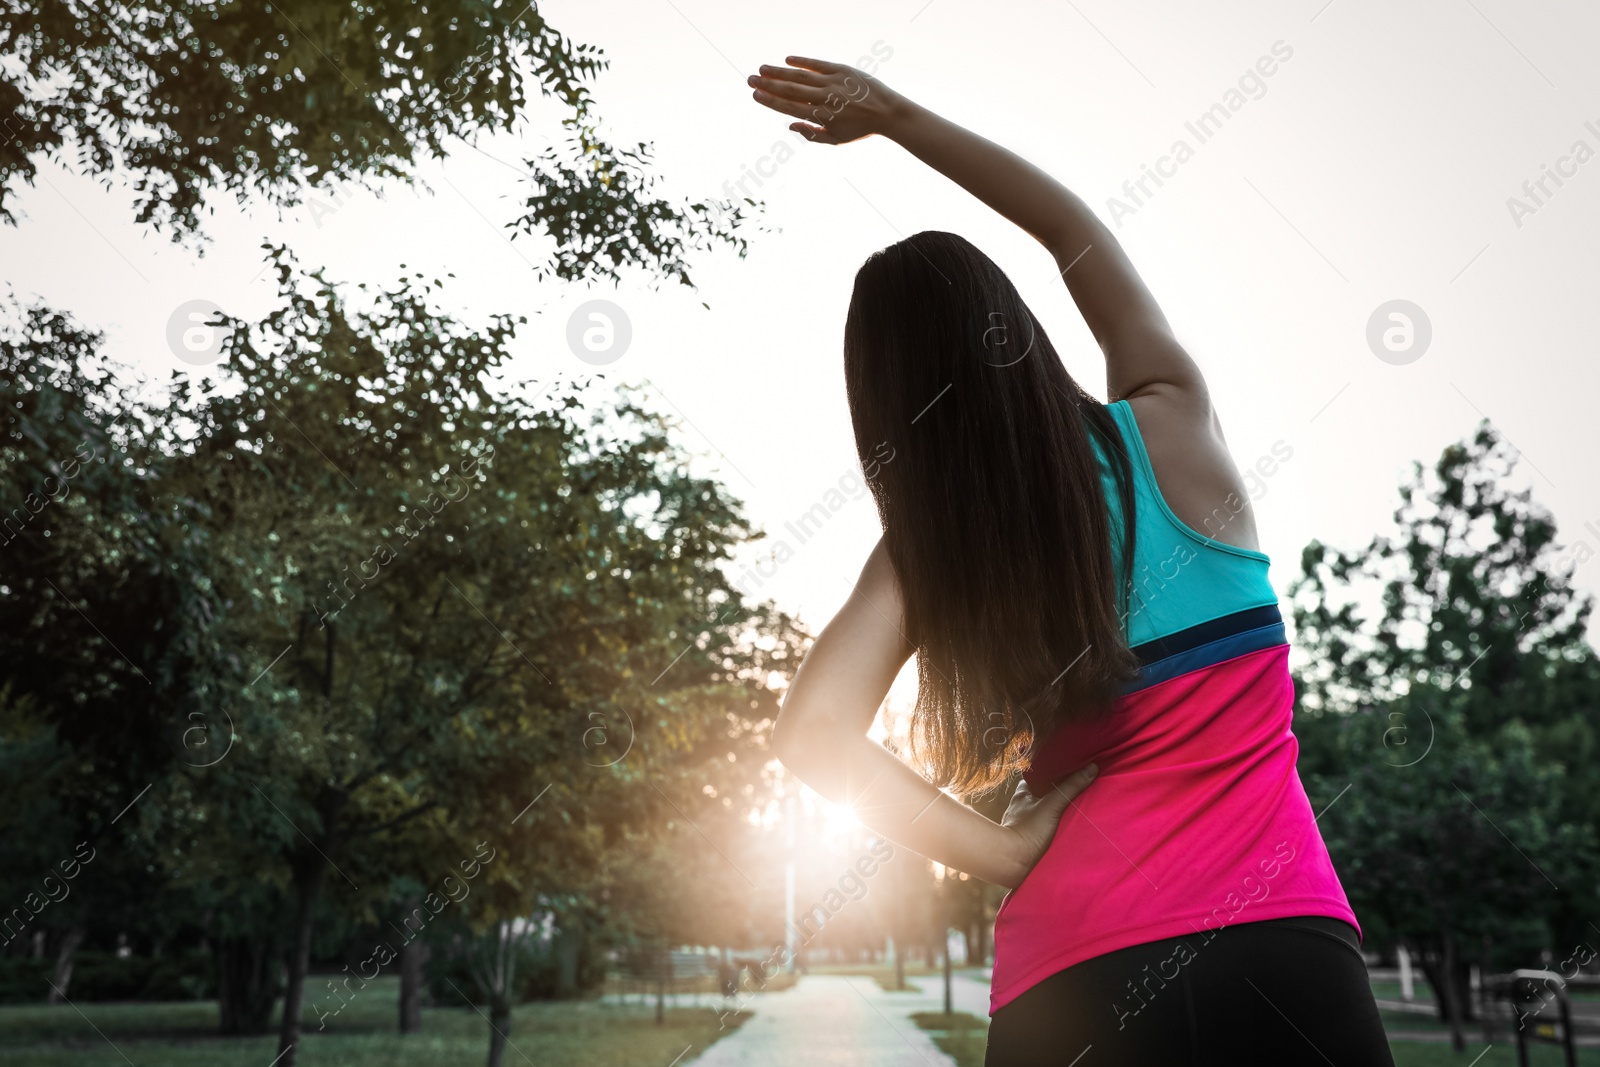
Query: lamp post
x: 948, y: 1007
x: 788, y: 881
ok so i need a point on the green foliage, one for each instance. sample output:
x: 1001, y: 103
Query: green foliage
x: 358, y: 614
x: 22, y: 979
x: 89, y: 558
x: 1449, y: 702
x: 433, y: 622
x: 537, y: 975
x: 191, y: 96
x: 597, y: 203
x: 380, y: 614
x: 1471, y: 600
x: 105, y: 615
x: 103, y: 976
x: 1472, y: 591
x: 432, y: 589
x: 1467, y: 840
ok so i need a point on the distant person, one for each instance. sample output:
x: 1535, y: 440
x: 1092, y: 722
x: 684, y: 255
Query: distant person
x: 1082, y: 587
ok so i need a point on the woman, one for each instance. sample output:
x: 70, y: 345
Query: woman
x: 1043, y: 559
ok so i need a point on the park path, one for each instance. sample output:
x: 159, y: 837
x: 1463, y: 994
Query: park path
x: 842, y: 1021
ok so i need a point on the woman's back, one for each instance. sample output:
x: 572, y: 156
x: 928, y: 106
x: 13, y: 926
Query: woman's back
x: 1197, y: 819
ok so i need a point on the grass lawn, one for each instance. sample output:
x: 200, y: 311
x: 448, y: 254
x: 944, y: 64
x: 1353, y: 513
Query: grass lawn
x: 1405, y: 1020
x: 963, y: 1037
x: 1422, y: 991
x: 960, y: 1035
x: 550, y: 1034
x: 1417, y: 1054
x: 1391, y: 990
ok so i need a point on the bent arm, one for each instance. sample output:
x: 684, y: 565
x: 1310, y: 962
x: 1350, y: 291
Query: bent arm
x: 1142, y: 356
x: 821, y: 736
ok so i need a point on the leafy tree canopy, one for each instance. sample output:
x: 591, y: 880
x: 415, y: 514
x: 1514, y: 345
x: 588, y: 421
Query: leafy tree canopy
x: 252, y: 96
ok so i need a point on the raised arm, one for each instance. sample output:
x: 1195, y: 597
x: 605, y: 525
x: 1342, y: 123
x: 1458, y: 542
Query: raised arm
x: 843, y: 104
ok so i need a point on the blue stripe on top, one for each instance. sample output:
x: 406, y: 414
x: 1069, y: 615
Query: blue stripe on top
x: 1181, y: 577
x: 1208, y: 643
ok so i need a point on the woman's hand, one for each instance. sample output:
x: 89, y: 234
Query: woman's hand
x: 1032, y: 820
x: 842, y: 103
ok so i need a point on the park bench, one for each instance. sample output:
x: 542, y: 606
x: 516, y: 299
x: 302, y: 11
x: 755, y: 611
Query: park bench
x: 686, y: 972
x: 1540, y: 1009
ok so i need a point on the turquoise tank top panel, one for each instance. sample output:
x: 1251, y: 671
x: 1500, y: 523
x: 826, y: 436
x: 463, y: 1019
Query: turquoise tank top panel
x: 1181, y: 577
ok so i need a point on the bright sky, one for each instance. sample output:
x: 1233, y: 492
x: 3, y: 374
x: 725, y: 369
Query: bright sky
x: 1375, y: 163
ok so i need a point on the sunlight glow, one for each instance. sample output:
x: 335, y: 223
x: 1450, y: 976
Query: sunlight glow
x: 839, y: 820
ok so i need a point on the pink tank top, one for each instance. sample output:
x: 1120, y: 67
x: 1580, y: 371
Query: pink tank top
x: 1198, y: 818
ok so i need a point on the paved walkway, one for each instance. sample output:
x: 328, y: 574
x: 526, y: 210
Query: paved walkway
x: 843, y: 1020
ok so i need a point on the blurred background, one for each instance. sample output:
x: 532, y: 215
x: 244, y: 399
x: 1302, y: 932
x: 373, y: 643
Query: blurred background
x: 426, y: 460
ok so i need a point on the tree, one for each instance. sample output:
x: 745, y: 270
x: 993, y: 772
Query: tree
x: 191, y: 97
x: 431, y: 586
x: 1448, y: 683
x: 493, y: 955
x: 1472, y: 593
x: 1456, y: 852
x: 104, y: 619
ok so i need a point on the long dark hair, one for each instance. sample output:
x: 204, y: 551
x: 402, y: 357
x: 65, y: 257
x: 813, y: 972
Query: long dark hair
x: 992, y: 507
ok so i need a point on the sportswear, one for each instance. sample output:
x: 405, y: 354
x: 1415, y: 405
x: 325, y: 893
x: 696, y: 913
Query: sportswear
x: 1255, y: 994
x: 1197, y: 819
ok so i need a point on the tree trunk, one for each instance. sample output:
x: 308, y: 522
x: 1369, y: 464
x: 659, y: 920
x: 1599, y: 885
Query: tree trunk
x: 1427, y: 961
x: 1463, y: 988
x: 499, y: 1030
x: 569, y: 948
x: 308, y: 876
x: 1448, y: 991
x: 1485, y: 1008
x: 66, y: 953
x: 246, y: 984
x: 494, y: 969
x: 413, y: 978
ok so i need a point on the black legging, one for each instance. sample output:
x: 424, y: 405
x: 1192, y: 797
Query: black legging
x: 1282, y: 991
